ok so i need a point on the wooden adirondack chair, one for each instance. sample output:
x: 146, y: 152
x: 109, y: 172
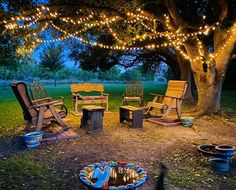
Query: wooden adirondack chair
x: 133, y: 93
x: 40, y: 94
x: 38, y: 115
x: 172, y: 99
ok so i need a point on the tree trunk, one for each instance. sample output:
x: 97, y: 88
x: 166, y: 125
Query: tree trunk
x: 186, y: 74
x: 5, y: 77
x: 209, y: 82
x: 55, y: 78
x: 209, y: 94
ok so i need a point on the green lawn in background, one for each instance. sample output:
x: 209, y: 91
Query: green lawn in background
x: 11, y: 114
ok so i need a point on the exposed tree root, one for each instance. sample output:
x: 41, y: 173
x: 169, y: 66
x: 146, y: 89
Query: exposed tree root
x: 193, y: 110
x: 228, y: 117
x: 197, y: 113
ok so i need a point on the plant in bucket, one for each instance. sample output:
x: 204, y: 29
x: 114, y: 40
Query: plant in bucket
x: 113, y: 176
x: 33, y: 139
x: 187, y: 121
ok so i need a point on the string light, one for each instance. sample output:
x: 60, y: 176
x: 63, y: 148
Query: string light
x: 171, y: 37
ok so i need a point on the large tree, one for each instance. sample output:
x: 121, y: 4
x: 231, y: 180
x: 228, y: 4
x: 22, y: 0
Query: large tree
x: 213, y: 51
x: 200, y: 34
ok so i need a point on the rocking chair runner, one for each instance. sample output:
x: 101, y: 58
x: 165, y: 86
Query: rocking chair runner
x: 134, y: 93
x: 40, y: 114
x: 172, y: 99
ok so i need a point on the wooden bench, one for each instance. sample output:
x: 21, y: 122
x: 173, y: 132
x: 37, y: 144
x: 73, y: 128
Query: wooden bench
x: 79, y: 99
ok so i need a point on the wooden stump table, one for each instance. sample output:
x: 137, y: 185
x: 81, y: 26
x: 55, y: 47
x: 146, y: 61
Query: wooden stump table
x: 132, y: 114
x: 92, y: 118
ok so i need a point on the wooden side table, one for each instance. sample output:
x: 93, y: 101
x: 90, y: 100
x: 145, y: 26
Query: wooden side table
x: 92, y: 118
x: 133, y: 115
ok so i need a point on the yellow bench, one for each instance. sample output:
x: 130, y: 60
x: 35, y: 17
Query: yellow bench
x: 78, y: 99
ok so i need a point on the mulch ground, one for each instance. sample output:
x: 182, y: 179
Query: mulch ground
x: 175, y: 146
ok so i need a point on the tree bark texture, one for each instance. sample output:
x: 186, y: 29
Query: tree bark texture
x: 186, y: 74
x: 209, y: 83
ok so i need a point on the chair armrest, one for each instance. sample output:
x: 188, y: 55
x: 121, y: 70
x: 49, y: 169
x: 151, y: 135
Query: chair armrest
x: 58, y: 97
x: 174, y: 97
x: 44, y: 104
x: 154, y: 94
x: 40, y: 100
x: 76, y: 94
x: 105, y: 94
x: 61, y: 98
x: 157, y: 97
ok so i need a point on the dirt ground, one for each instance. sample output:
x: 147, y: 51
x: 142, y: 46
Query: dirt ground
x: 175, y: 146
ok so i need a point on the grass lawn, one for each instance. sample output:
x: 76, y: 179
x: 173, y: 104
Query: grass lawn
x: 56, y: 165
x: 11, y: 113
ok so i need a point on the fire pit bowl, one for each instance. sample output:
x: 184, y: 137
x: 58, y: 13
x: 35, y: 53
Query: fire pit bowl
x: 113, y: 176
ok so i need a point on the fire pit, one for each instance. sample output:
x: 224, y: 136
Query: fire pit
x: 113, y: 175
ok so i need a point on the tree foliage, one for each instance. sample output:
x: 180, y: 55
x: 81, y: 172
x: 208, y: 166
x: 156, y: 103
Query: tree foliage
x: 51, y: 58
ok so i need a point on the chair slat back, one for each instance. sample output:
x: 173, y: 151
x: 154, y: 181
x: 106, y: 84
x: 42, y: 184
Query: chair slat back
x: 38, y: 91
x: 21, y: 93
x: 134, y: 89
x: 175, y: 88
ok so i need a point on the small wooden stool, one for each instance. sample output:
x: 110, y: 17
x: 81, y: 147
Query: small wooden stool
x: 92, y: 118
x: 132, y: 114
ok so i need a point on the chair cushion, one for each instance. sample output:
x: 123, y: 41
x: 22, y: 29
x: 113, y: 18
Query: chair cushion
x: 92, y: 97
x: 126, y: 98
x: 100, y: 97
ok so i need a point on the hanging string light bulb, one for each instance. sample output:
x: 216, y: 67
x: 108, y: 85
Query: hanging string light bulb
x: 87, y: 20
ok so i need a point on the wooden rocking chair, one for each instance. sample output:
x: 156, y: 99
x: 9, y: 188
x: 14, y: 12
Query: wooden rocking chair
x: 38, y: 115
x: 40, y: 94
x: 133, y: 93
x: 172, y: 99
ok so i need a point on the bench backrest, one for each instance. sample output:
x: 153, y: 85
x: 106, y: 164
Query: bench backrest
x: 87, y: 87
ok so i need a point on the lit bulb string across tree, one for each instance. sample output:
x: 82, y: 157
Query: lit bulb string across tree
x: 74, y: 35
x: 48, y: 14
x: 39, y: 16
x: 175, y: 39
